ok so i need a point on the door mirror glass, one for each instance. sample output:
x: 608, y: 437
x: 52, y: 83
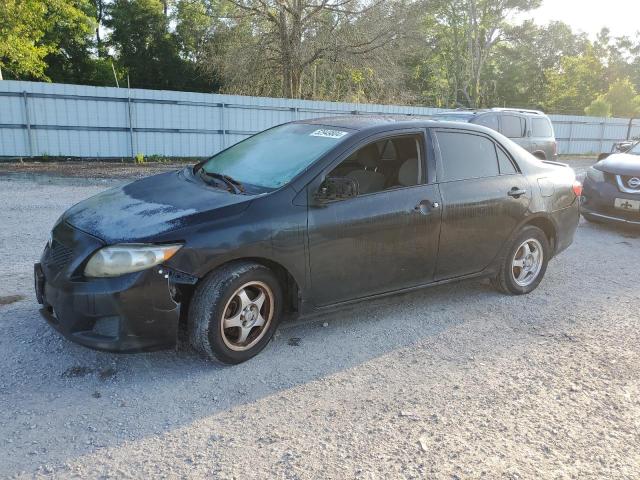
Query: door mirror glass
x: 336, y: 188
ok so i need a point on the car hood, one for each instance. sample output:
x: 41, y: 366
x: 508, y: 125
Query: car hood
x: 620, y: 164
x: 156, y: 205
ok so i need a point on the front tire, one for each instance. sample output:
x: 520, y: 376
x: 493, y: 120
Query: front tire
x: 234, y: 312
x: 525, y: 262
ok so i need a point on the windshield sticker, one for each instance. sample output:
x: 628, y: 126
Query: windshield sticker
x: 323, y: 132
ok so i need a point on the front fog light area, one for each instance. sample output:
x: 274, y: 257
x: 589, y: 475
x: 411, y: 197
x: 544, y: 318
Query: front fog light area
x: 127, y: 258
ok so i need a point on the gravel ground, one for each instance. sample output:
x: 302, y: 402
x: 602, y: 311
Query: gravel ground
x: 451, y: 382
x: 93, y: 169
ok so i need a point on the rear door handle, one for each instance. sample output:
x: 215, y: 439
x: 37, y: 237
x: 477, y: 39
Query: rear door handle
x: 516, y: 192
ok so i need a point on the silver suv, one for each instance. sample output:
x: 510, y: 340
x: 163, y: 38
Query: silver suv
x: 531, y: 129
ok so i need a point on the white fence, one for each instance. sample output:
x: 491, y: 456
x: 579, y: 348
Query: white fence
x: 46, y: 119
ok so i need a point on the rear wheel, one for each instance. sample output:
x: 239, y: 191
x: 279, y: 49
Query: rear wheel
x: 235, y: 312
x: 525, y: 262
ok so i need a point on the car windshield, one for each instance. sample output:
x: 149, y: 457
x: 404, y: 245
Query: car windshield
x: 274, y: 157
x: 635, y: 150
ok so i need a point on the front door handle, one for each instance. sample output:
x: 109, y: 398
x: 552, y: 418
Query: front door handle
x: 516, y: 192
x: 425, y: 207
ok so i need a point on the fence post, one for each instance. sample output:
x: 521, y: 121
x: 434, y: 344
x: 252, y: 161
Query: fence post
x: 27, y: 119
x: 570, y: 137
x: 130, y: 115
x: 604, y: 126
x: 223, y: 126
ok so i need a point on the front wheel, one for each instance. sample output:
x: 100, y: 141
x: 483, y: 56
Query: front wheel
x: 234, y: 312
x: 525, y: 262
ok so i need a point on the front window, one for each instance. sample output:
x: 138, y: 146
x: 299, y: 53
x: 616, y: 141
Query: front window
x: 274, y: 157
x: 635, y: 150
x: 394, y: 162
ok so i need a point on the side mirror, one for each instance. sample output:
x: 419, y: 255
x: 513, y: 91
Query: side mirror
x: 336, y: 188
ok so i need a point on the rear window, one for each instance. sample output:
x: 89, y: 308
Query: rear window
x: 512, y: 126
x: 541, y: 127
x: 466, y: 156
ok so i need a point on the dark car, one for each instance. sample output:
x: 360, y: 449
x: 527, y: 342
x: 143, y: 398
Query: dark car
x: 301, y: 217
x: 619, y: 147
x: 612, y: 189
x: 531, y: 129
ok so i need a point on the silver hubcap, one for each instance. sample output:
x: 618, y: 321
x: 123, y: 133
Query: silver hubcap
x: 247, y: 316
x: 527, y: 262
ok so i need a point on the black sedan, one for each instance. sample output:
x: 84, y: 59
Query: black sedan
x: 612, y: 189
x: 303, y: 216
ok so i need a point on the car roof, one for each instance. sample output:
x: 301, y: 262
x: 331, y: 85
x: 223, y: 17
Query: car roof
x: 480, y: 111
x: 383, y: 122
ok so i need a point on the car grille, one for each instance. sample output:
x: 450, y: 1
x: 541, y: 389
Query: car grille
x: 58, y: 256
x: 631, y: 184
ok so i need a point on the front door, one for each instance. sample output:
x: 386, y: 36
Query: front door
x: 386, y: 237
x: 484, y: 197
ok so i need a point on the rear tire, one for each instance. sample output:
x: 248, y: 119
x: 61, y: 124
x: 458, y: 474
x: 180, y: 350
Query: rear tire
x: 525, y: 262
x: 234, y: 312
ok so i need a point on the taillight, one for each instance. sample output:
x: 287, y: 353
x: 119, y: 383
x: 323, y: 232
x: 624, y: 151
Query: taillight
x: 555, y: 149
x: 577, y: 188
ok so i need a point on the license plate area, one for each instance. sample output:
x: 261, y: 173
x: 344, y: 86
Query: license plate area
x: 627, y: 205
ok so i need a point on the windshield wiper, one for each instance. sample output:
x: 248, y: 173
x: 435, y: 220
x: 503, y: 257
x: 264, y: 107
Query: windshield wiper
x: 234, y: 185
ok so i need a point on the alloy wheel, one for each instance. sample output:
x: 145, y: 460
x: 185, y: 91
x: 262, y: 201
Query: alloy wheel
x: 247, y: 316
x: 527, y: 262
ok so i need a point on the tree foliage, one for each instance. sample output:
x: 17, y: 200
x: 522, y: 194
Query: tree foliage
x: 33, y: 32
x: 442, y: 53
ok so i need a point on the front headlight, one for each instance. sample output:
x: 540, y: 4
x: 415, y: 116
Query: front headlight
x: 126, y: 258
x: 595, y: 175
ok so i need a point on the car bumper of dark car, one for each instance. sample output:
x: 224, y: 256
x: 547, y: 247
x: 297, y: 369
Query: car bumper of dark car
x: 598, y: 202
x: 131, y: 313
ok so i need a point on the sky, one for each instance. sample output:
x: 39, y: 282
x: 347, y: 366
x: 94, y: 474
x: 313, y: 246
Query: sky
x: 622, y: 17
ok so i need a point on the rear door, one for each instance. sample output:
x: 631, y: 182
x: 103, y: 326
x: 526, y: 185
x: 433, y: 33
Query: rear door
x: 384, y: 239
x: 484, y: 197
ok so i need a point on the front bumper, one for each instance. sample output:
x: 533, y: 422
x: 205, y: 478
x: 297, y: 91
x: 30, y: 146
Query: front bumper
x: 130, y: 313
x: 598, y: 199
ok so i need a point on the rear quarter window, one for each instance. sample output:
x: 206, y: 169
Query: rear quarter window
x: 541, y: 127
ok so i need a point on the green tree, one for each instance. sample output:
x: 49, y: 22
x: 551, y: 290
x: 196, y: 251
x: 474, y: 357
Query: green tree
x: 461, y: 37
x: 517, y: 68
x: 32, y: 30
x: 599, y: 108
x: 75, y: 59
x: 146, y: 48
x: 622, y: 97
x: 578, y: 80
